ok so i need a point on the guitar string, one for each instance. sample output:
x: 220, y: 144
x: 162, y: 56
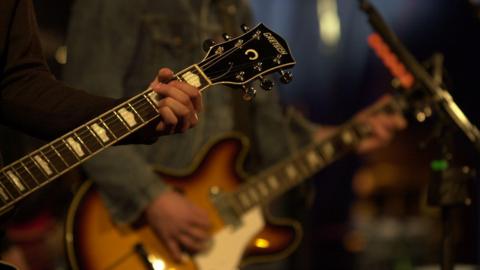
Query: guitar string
x: 51, y: 152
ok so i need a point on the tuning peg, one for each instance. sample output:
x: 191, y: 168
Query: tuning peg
x: 287, y: 77
x: 248, y: 93
x: 245, y: 28
x: 266, y: 84
x: 226, y: 36
x: 207, y: 44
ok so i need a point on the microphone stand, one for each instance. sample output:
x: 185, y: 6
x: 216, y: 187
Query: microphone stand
x: 449, y: 188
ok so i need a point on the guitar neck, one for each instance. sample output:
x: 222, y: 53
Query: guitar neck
x: 40, y: 167
x: 276, y: 180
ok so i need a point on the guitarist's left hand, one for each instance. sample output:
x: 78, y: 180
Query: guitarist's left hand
x: 383, y: 126
x: 178, y: 223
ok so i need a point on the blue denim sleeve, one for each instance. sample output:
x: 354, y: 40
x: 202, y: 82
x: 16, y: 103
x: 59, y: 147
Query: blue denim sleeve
x: 100, y: 49
x: 278, y: 134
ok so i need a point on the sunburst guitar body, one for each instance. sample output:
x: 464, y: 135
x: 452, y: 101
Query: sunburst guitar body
x: 238, y: 237
x: 242, y: 232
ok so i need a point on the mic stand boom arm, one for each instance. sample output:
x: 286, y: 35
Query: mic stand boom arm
x: 449, y: 109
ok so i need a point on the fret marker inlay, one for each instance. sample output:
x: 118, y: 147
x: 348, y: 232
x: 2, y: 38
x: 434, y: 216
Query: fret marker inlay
x: 192, y: 79
x: 43, y: 164
x: 153, y: 98
x: 75, y: 146
x: 291, y: 172
x: 328, y: 150
x: 273, y: 182
x: 263, y: 188
x: 128, y: 117
x: 313, y: 158
x: 101, y: 132
x: 16, y: 180
x: 347, y: 137
x: 4, y: 194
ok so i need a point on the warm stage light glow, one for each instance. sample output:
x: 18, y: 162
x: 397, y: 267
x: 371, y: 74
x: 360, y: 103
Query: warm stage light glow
x: 157, y: 264
x: 262, y: 243
x: 328, y: 21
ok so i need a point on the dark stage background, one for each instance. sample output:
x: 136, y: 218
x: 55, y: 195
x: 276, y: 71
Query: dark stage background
x: 367, y: 212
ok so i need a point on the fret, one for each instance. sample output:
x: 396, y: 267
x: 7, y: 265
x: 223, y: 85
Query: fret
x: 194, y: 76
x: 95, y: 135
x: 244, y: 200
x: 302, y: 167
x: 32, y: 177
x: 74, y: 147
x: 65, y: 152
x: 47, y: 161
x: 152, y: 102
x: 107, y: 128
x: 328, y: 151
x: 362, y: 130
x: 115, y: 125
x: 136, y: 113
x: 3, y: 194
x: 102, y: 133
x: 291, y: 172
x: 348, y: 137
x: 273, y: 182
x: 45, y: 168
x: 56, y: 159
x: 125, y: 124
x: 9, y: 186
x: 128, y: 117
x: 24, y: 174
x: 145, y: 108
x: 313, y: 158
x: 262, y: 187
x: 14, y: 178
x: 81, y: 142
x: 90, y: 141
x: 236, y: 204
x: 39, y: 175
x: 154, y: 99
x: 253, y: 194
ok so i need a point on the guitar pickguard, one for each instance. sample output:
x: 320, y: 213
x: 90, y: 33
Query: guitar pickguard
x: 230, y: 243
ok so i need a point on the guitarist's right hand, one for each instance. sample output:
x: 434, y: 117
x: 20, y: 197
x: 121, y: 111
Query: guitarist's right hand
x: 178, y: 223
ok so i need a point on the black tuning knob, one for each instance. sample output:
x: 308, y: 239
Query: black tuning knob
x: 287, y: 77
x: 266, y: 84
x: 245, y: 28
x: 226, y: 36
x: 207, y: 44
x: 248, y: 93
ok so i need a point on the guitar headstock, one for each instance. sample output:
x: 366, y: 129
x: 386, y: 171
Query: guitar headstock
x: 252, y: 55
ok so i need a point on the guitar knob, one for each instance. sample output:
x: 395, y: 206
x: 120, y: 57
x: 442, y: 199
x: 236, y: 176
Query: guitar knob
x: 248, y: 93
x: 266, y: 84
x: 245, y: 28
x: 226, y: 36
x: 207, y: 44
x: 287, y: 77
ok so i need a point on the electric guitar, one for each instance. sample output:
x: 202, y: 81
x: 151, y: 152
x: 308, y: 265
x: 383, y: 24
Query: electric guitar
x: 235, y: 62
x: 233, y: 201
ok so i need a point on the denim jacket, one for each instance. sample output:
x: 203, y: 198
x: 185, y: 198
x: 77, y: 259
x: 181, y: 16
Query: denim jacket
x: 115, y: 48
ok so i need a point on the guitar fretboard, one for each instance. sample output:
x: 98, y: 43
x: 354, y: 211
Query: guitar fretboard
x: 40, y: 167
x: 274, y: 181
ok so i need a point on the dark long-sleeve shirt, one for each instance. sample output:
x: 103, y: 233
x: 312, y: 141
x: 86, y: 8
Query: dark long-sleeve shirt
x: 31, y: 99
